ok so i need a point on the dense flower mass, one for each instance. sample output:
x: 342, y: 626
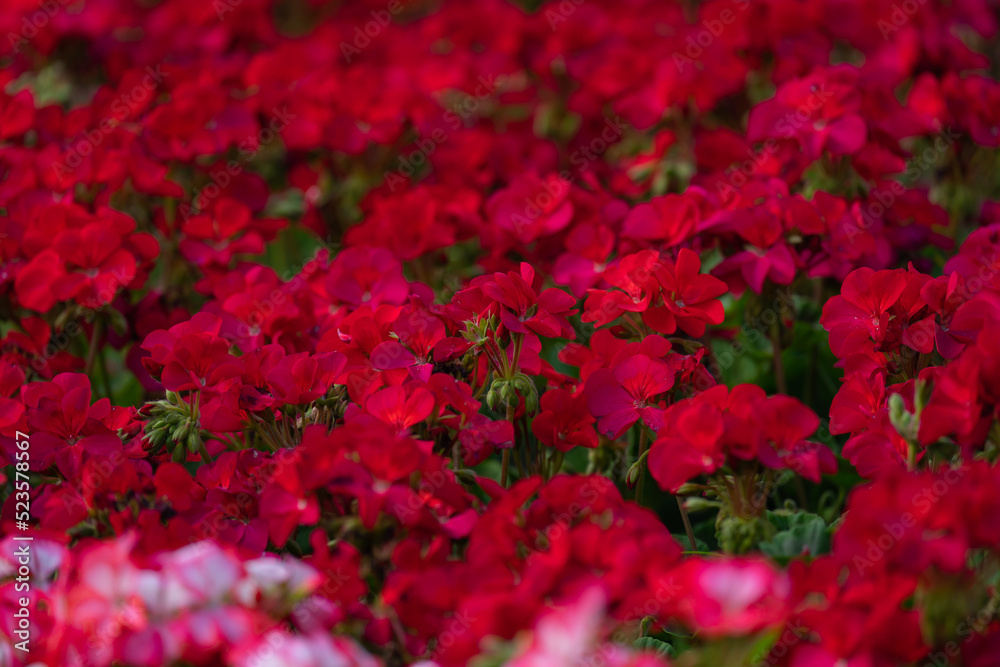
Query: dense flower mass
x: 510, y: 332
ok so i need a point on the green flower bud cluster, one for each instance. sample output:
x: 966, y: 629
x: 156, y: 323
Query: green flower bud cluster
x: 738, y: 535
x: 508, y: 390
x: 333, y: 402
x: 477, y: 331
x: 171, y: 425
x: 948, y: 606
x: 991, y: 450
x: 605, y: 459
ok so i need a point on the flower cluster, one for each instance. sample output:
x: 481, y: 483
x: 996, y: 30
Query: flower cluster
x: 499, y: 333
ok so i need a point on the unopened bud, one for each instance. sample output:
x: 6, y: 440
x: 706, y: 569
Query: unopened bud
x: 632, y: 476
x: 904, y: 422
x: 531, y: 401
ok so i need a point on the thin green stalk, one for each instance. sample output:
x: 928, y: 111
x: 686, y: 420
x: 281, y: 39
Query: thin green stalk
x: 204, y: 453
x: 640, y: 483
x: 505, y: 464
x: 518, y: 342
x: 557, y: 464
x: 95, y: 337
x: 105, y: 375
x: 779, y: 364
x: 687, y: 523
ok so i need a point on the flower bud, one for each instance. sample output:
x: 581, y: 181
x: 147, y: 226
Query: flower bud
x: 738, y: 535
x: 531, y: 401
x: 699, y: 504
x: 906, y: 423
x: 523, y: 384
x: 632, y: 476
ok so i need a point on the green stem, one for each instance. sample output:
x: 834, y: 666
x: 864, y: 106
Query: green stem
x: 533, y: 454
x: 260, y: 429
x: 911, y: 456
x: 557, y: 467
x: 519, y: 458
x: 227, y: 443
x: 167, y: 248
x: 95, y: 336
x: 779, y: 364
x: 105, y: 376
x: 477, y: 391
x: 204, y: 453
x: 800, y: 490
x: 640, y: 482
x: 687, y: 523
x: 518, y: 342
x: 505, y: 464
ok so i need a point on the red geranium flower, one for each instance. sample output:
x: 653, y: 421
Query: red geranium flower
x: 302, y: 378
x: 627, y: 393
x: 690, y: 299
x: 400, y: 408
x: 862, y: 308
x: 523, y: 312
x: 190, y: 355
x: 564, y: 421
x: 693, y: 444
x: 64, y: 427
x: 633, y: 275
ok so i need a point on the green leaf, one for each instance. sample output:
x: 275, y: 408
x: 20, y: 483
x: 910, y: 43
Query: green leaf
x: 654, y: 645
x: 763, y: 645
x: 699, y: 545
x: 798, y: 535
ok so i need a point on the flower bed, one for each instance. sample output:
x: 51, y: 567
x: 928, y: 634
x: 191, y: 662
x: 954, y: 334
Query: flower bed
x: 582, y: 332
